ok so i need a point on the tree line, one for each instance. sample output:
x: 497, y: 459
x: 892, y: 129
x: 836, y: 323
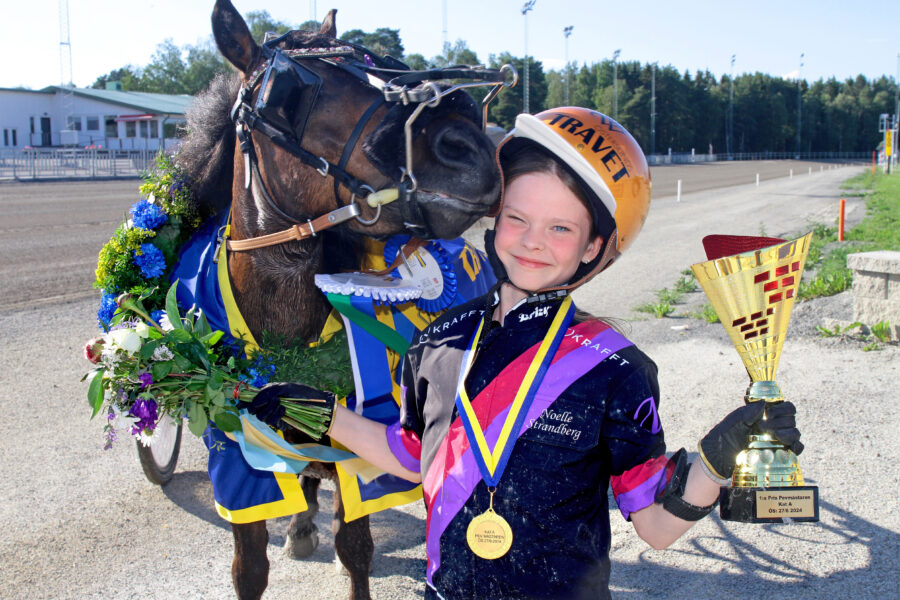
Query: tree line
x: 692, y: 111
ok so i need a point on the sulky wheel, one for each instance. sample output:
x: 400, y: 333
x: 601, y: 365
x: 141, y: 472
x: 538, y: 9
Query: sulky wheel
x: 158, y: 459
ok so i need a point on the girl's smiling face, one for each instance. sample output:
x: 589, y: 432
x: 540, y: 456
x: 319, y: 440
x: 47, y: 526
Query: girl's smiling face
x: 543, y: 232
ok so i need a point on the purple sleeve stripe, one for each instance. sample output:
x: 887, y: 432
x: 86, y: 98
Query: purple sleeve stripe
x: 643, y: 495
x: 395, y: 444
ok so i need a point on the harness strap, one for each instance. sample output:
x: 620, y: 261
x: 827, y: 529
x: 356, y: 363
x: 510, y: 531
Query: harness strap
x: 350, y: 146
x: 298, y: 232
x: 325, y: 168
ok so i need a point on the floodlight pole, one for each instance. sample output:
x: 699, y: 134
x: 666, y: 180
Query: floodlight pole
x: 799, y: 103
x: 526, y: 8
x: 729, y: 127
x: 567, y: 31
x: 653, y: 109
x: 615, y: 86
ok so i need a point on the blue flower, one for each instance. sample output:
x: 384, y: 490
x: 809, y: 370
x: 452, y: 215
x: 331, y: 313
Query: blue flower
x: 151, y: 261
x: 107, y: 309
x: 156, y: 315
x: 176, y: 187
x: 260, y: 371
x: 147, y: 215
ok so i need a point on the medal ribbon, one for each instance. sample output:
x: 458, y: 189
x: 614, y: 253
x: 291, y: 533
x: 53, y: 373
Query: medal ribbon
x: 491, y: 463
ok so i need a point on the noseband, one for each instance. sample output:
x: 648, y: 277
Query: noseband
x: 285, y: 77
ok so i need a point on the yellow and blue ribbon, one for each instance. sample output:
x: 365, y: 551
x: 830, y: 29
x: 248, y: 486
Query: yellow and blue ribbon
x: 492, y: 462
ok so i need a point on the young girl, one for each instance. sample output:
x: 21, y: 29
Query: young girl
x: 519, y: 413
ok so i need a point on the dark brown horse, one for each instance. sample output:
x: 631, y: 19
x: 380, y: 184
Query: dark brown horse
x: 298, y: 151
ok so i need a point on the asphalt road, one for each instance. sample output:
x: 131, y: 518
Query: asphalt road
x: 79, y: 522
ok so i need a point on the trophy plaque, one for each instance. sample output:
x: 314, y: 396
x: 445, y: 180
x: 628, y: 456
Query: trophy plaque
x: 751, y: 283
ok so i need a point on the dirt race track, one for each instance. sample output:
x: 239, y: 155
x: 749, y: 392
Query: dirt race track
x: 81, y: 523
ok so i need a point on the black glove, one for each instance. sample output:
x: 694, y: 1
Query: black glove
x: 721, y: 445
x: 267, y: 407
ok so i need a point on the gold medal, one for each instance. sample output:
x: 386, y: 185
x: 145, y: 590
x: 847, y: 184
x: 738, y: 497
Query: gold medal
x: 489, y: 535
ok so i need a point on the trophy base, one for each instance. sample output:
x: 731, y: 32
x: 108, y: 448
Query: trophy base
x: 770, y: 504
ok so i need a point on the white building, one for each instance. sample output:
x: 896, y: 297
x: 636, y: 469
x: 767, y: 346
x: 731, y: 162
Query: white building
x: 85, y: 117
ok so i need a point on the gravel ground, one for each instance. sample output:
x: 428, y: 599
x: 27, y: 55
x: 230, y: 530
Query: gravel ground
x: 82, y: 523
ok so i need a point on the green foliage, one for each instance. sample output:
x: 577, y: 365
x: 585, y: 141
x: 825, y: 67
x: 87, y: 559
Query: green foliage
x: 260, y: 22
x: 117, y: 271
x: 837, y: 331
x: 686, y: 284
x: 657, y: 309
x: 668, y: 296
x: 510, y: 102
x: 707, y: 313
x: 881, y: 331
x: 822, y: 235
x: 881, y: 227
x: 383, y: 41
x: 324, y: 367
x: 457, y: 53
x: 826, y: 284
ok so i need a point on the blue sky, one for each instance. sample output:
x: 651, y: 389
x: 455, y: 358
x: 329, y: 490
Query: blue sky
x: 841, y: 39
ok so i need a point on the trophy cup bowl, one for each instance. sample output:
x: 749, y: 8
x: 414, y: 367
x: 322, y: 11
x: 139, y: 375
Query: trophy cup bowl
x: 751, y: 283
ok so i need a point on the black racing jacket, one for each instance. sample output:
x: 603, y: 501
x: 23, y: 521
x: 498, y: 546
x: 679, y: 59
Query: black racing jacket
x: 553, y: 491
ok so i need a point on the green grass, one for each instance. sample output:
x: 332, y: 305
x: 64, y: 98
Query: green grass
x: 686, y: 285
x: 879, y: 230
x: 668, y: 296
x: 657, y: 309
x: 707, y: 313
x: 838, y: 330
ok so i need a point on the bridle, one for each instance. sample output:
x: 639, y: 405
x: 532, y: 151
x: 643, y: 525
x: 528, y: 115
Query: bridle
x: 283, y: 76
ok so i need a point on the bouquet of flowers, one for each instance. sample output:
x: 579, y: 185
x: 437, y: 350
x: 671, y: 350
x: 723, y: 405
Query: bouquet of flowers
x: 176, y: 367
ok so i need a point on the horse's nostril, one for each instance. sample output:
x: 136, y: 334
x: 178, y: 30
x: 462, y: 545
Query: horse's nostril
x: 454, y: 147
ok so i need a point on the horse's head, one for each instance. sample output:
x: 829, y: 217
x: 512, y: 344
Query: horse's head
x: 318, y: 131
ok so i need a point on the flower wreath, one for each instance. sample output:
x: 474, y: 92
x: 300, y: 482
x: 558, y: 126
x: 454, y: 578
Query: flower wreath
x: 144, y: 249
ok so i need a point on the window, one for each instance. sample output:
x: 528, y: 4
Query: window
x: 31, y: 123
x: 15, y: 138
x: 143, y: 129
x: 130, y: 129
x: 170, y: 130
x: 93, y: 123
x: 154, y: 128
x: 73, y: 123
x: 6, y: 137
x: 112, y: 128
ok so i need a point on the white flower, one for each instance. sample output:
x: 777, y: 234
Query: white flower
x: 146, y: 439
x: 164, y: 323
x: 125, y: 339
x: 122, y: 420
x: 110, y: 357
x: 162, y: 353
x: 142, y: 329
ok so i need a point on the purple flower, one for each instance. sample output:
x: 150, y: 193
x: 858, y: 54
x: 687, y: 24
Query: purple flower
x: 110, y: 438
x: 147, y: 215
x: 145, y: 412
x: 151, y: 261
x: 146, y: 380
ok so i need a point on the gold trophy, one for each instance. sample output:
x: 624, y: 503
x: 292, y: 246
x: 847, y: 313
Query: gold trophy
x: 752, y: 289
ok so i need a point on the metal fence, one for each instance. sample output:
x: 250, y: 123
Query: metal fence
x: 76, y: 163
x: 683, y: 158
x: 71, y: 163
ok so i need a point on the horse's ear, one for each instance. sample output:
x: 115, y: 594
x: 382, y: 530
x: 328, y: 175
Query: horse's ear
x: 233, y: 37
x: 328, y: 27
